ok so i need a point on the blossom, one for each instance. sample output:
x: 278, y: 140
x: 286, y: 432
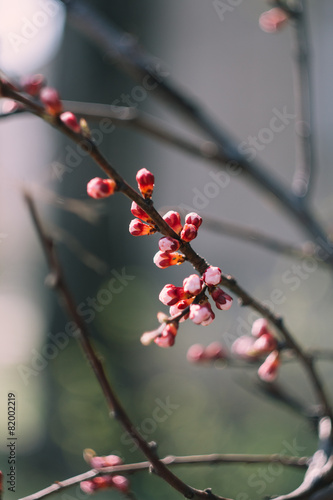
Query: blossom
x: 212, y: 276
x: 101, y: 188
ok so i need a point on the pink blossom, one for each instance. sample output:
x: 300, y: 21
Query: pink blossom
x: 171, y: 294
x: 195, y: 353
x: 145, y: 180
x: 243, y: 348
x: 273, y: 20
x: 189, y: 232
x: 212, y: 276
x: 173, y: 219
x: 268, y: 371
x: 139, y: 228
x: 193, y: 218
x: 222, y: 300
x: 259, y: 327
x: 201, y: 314
x: 137, y: 211
x: 164, y: 260
x: 193, y: 284
x: 101, y: 188
x: 168, y: 244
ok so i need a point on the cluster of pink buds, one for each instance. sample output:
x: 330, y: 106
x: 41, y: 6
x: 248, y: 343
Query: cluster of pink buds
x: 261, y: 343
x: 273, y: 20
x: 107, y: 481
x: 189, y: 300
x: 197, y: 353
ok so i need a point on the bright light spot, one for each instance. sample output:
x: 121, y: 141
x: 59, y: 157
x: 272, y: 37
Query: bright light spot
x: 30, y: 34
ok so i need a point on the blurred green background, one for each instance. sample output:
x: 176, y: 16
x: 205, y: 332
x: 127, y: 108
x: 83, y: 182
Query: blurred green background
x: 241, y: 74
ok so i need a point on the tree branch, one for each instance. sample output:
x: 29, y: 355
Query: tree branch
x: 213, y: 459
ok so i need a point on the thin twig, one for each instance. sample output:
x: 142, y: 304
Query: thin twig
x: 305, y: 160
x: 58, y: 282
x: 213, y: 459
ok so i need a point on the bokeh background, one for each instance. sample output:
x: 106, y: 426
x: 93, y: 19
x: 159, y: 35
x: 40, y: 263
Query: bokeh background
x: 241, y: 75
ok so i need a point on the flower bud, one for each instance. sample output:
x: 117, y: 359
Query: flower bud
x: 69, y: 119
x: 108, y: 461
x: 167, y: 337
x: 222, y: 300
x: 273, y: 20
x: 51, y: 100
x: 33, y: 84
x: 201, y: 314
x: 171, y: 294
x: 215, y: 351
x: 173, y: 219
x: 120, y: 483
x: 268, y: 371
x: 101, y: 188
x: 138, y: 212
x: 195, y: 353
x: 88, y: 487
x: 145, y: 180
x: 179, y: 308
x: 189, y: 232
x: 243, y: 348
x: 193, y: 284
x: 264, y: 344
x: 193, y: 218
x: 259, y: 327
x: 168, y: 244
x: 164, y: 260
x: 139, y: 228
x: 212, y: 276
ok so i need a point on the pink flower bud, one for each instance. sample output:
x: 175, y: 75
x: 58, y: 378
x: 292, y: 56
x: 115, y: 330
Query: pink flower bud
x: 173, y: 219
x: 9, y: 106
x: 189, y: 232
x: 88, y: 487
x: 273, y: 20
x: 168, y: 244
x: 51, y: 100
x: 195, y: 353
x: 171, y: 294
x: 102, y: 482
x: 222, y: 300
x: 101, y: 188
x: 145, y: 180
x: 201, y: 314
x: 33, y: 84
x: 121, y: 483
x: 264, y: 344
x: 268, y: 371
x: 164, y: 260
x: 69, y: 119
x: 179, y: 308
x: 259, y: 327
x: 215, y: 351
x: 112, y: 461
x: 139, y: 212
x: 139, y: 228
x: 167, y: 337
x: 212, y: 276
x: 193, y: 284
x: 243, y: 348
x: 193, y: 218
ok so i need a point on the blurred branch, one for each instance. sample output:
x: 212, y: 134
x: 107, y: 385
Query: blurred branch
x: 305, y: 160
x: 213, y: 459
x: 125, y: 51
x: 57, y: 281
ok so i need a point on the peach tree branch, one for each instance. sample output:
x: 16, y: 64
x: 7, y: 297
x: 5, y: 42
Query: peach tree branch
x: 212, y: 459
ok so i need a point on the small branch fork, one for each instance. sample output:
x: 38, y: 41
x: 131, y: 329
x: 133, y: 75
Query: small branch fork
x: 214, y: 459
